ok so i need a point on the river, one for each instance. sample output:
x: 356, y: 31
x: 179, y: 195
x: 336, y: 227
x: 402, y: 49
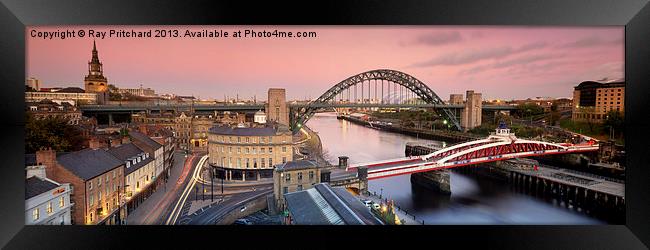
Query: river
x: 474, y: 199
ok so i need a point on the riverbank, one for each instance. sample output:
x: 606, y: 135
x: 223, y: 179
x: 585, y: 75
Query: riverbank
x: 439, y: 135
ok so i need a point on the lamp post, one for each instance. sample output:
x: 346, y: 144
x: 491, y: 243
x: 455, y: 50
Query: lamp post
x: 381, y: 192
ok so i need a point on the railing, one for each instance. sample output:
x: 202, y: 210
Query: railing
x: 374, y: 194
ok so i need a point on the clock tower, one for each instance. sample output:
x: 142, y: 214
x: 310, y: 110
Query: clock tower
x: 95, y: 81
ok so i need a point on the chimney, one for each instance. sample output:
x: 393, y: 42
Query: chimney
x: 142, y: 128
x: 47, y: 157
x: 94, y: 143
x: 115, y: 142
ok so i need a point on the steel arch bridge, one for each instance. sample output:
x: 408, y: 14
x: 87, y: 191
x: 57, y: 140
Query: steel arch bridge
x: 499, y: 146
x: 407, y: 81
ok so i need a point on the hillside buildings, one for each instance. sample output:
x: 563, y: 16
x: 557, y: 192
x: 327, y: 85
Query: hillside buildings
x: 593, y: 100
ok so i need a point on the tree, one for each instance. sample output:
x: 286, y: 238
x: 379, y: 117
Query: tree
x: 554, y: 117
x: 614, y: 122
x: 52, y: 132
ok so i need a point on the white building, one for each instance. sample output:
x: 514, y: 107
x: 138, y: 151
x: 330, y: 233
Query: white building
x: 259, y: 117
x: 140, y: 171
x: 47, y: 202
x: 34, y: 83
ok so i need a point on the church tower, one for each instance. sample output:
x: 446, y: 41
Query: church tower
x: 95, y: 81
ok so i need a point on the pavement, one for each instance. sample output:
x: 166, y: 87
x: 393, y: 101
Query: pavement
x: 152, y: 209
x: 401, y: 214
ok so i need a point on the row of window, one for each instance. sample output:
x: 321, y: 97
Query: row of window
x: 605, y: 90
x: 246, y: 139
x: 91, y: 197
x: 248, y: 150
x: 248, y: 162
x: 49, y: 209
x: 287, y: 177
x: 99, y: 180
x: 286, y: 189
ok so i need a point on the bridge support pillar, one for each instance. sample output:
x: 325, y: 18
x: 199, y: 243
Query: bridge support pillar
x: 437, y: 180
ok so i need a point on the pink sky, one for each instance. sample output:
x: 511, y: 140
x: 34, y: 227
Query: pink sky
x: 498, y: 61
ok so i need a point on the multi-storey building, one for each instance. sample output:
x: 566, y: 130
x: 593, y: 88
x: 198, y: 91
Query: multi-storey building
x: 294, y: 176
x: 471, y: 114
x: 49, y: 109
x: 139, y: 171
x: 97, y: 179
x: 248, y: 153
x: 154, y: 149
x: 34, y: 83
x: 593, y: 100
x: 70, y: 95
x: 47, y: 202
x: 148, y: 92
x: 276, y: 108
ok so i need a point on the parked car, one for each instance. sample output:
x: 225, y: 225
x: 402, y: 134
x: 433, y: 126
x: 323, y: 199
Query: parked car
x: 367, y: 203
x: 243, y: 222
x: 375, y: 206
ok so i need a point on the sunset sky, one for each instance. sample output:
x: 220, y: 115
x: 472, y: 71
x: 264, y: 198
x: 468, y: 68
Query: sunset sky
x: 499, y: 61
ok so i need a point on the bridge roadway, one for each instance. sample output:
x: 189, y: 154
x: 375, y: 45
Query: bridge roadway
x: 144, y: 106
x: 499, y: 146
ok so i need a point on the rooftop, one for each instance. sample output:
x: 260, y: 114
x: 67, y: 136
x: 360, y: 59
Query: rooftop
x: 127, y: 152
x: 246, y: 131
x: 296, y: 165
x: 89, y: 163
x: 146, y: 140
x: 35, y: 186
x: 324, y: 205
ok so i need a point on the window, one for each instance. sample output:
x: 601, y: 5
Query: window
x: 300, y: 176
x: 284, y: 149
x: 247, y: 150
x: 284, y: 159
x: 35, y: 214
x: 239, y: 162
x: 285, y: 190
x: 261, y: 150
x: 49, y: 208
x: 114, y: 174
x: 311, y: 175
x: 262, y: 160
x: 288, y: 177
x: 91, y: 201
x: 90, y: 185
x: 238, y: 139
x: 61, y: 201
x: 247, y: 163
x: 106, y: 178
x: 99, y: 195
x: 99, y: 182
x: 270, y: 162
x: 270, y: 150
x: 248, y: 140
x: 299, y: 188
x: 270, y: 139
x: 229, y: 149
x: 238, y: 150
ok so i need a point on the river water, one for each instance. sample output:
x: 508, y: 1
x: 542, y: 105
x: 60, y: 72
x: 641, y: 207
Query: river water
x: 474, y: 199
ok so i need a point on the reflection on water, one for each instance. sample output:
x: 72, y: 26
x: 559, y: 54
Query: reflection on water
x: 474, y: 200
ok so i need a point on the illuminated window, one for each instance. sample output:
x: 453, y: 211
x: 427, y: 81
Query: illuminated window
x: 61, y: 201
x: 90, y: 185
x: 311, y: 175
x: 49, y: 208
x: 288, y: 177
x: 300, y: 176
x: 91, y: 201
x: 35, y: 214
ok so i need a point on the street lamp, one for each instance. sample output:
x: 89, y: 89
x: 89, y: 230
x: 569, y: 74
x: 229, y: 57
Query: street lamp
x: 381, y: 192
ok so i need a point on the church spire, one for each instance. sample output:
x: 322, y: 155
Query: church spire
x: 95, y: 58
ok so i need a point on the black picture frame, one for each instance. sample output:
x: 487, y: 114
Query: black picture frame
x: 15, y: 15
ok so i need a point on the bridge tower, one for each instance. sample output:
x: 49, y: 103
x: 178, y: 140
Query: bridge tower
x: 471, y: 115
x: 276, y: 107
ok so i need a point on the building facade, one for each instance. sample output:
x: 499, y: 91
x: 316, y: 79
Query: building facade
x: 97, y: 179
x: 456, y: 99
x: 34, y: 83
x: 248, y: 153
x: 294, y: 176
x: 48, y: 109
x: 148, y: 92
x: 47, y: 202
x: 593, y: 100
x: 60, y: 97
x: 139, y: 171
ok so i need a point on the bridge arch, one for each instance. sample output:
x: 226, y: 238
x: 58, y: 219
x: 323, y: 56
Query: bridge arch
x: 416, y: 86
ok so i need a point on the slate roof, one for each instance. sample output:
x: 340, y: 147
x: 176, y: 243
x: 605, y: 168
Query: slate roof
x: 227, y: 130
x: 296, y: 165
x: 126, y: 152
x: 35, y: 186
x: 324, y: 205
x: 145, y: 140
x: 89, y: 163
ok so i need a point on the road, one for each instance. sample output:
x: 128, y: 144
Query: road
x: 215, y: 212
x: 178, y: 206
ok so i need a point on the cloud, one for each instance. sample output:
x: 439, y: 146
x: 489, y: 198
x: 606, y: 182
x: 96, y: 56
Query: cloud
x: 471, y: 56
x: 436, y: 39
x: 519, y: 61
x: 590, y: 41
